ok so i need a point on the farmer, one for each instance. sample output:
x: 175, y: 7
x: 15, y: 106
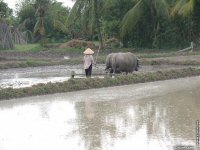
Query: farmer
x: 88, y: 61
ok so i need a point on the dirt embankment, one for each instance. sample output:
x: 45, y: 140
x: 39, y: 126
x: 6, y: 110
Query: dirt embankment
x: 11, y: 59
x: 15, y: 59
x: 14, y: 55
x: 177, y: 58
x: 88, y: 83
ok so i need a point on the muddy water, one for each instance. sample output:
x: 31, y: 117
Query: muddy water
x: 148, y: 116
x: 25, y: 77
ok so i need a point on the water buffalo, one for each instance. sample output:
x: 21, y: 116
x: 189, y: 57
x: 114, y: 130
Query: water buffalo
x: 109, y: 62
x: 122, y: 62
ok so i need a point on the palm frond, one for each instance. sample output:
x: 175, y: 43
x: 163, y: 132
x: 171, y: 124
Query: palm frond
x: 75, y: 12
x: 188, y: 8
x: 162, y: 8
x: 131, y: 18
x: 54, y: 17
x: 183, y: 7
x: 88, y: 20
x: 39, y: 26
x: 177, y: 7
x: 28, y: 35
x: 59, y: 25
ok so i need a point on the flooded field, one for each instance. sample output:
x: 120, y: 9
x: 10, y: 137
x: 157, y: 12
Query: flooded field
x: 148, y: 116
x: 25, y: 77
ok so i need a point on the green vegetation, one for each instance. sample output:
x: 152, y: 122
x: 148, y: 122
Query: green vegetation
x: 28, y: 47
x: 27, y: 63
x: 144, y: 27
x: 88, y: 11
x: 88, y: 83
x: 153, y: 24
x: 32, y: 55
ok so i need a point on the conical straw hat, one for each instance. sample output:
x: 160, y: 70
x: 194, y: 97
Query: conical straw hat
x: 88, y: 51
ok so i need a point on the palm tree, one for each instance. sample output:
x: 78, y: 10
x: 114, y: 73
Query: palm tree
x: 184, y: 7
x: 190, y: 10
x: 153, y: 9
x: 41, y: 7
x: 89, y: 12
x: 42, y: 18
x: 57, y: 16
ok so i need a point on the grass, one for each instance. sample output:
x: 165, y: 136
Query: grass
x: 168, y: 62
x: 143, y: 52
x: 42, y: 59
x: 164, y: 54
x: 68, y: 50
x: 88, y: 83
x: 28, y: 63
x: 28, y: 47
x: 78, y: 60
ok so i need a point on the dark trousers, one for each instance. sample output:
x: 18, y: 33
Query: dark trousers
x: 88, y: 72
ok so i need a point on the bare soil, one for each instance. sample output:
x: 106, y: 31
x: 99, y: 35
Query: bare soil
x: 177, y: 58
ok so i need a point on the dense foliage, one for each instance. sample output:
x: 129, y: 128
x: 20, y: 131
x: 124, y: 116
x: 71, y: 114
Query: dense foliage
x: 133, y: 23
x: 5, y: 11
x: 46, y: 19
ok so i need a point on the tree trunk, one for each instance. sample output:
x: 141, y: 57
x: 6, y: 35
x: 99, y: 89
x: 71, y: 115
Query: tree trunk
x: 154, y: 23
x: 96, y: 8
x: 99, y: 36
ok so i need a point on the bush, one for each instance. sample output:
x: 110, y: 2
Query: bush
x: 113, y: 43
x: 78, y: 44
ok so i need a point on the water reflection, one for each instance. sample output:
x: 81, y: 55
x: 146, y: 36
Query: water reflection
x: 87, y: 121
x: 153, y: 123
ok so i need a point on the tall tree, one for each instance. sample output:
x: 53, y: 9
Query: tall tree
x: 90, y: 11
x: 190, y: 10
x: 41, y: 12
x: 56, y: 21
x: 113, y: 12
x: 45, y: 18
x: 5, y: 11
x: 151, y: 10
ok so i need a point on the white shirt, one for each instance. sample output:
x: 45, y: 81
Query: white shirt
x: 88, y: 60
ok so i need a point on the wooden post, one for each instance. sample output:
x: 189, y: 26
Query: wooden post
x: 192, y: 46
x: 73, y: 74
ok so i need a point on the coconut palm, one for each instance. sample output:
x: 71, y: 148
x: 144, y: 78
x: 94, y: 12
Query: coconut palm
x: 57, y: 16
x: 89, y: 12
x: 189, y: 9
x: 42, y: 18
x: 184, y: 7
x: 41, y: 7
x: 152, y: 10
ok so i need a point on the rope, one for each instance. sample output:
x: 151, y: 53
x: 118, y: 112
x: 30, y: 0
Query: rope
x: 96, y: 57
